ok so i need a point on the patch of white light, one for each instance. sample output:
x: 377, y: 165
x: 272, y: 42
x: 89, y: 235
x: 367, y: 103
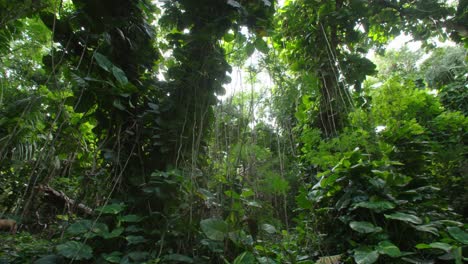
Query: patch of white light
x: 379, y: 129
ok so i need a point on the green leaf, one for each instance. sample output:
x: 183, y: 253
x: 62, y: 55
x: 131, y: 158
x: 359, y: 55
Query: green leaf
x: 266, y: 2
x: 75, y: 250
x: 111, y: 208
x: 113, y: 257
x: 261, y: 45
x: 139, y: 255
x: 247, y: 192
x: 244, y: 258
x: 119, y: 75
x: 254, y: 204
x: 80, y: 227
x: 365, y: 256
x: 232, y: 194
x: 422, y: 246
x: 269, y: 228
x: 234, y: 3
x: 100, y: 229
x: 458, y: 255
x: 133, y: 240
x: 404, y: 217
x: 266, y: 260
x: 131, y: 218
x: 388, y: 248
x: 377, y: 206
x: 178, y: 258
x: 117, y: 104
x: 303, y: 202
x: 458, y: 234
x: 115, y: 233
x: 249, y: 49
x: 428, y: 228
x: 364, y: 227
x: 103, y: 61
x: 228, y: 37
x: 214, y: 229
x: 437, y: 245
x: 441, y: 245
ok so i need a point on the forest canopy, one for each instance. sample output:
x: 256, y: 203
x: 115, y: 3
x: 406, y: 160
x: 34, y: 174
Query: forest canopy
x: 233, y: 131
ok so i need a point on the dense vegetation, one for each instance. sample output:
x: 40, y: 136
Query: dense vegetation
x: 118, y: 146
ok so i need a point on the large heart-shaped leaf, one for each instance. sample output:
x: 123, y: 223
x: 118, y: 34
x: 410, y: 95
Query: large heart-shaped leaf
x: 214, y: 229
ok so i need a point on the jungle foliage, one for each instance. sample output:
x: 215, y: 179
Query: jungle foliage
x: 119, y: 144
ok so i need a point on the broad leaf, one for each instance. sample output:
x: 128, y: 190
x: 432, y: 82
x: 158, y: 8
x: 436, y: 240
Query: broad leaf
x: 228, y: 37
x: 115, y: 233
x: 133, y: 240
x: 458, y: 234
x: 404, y: 217
x: 261, y: 45
x: 364, y: 227
x: 234, y: 3
x: 388, y: 248
x: 131, y: 218
x: 75, y: 250
x: 119, y: 75
x: 139, y: 256
x: 377, y: 206
x: 111, y: 209
x: 214, y: 229
x: 113, y: 257
x: 80, y: 227
x: 103, y: 61
x: 244, y: 258
x: 269, y: 228
x: 438, y: 245
x: 100, y: 229
x: 365, y: 256
x: 117, y: 104
x: 267, y: 2
x: 428, y: 228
